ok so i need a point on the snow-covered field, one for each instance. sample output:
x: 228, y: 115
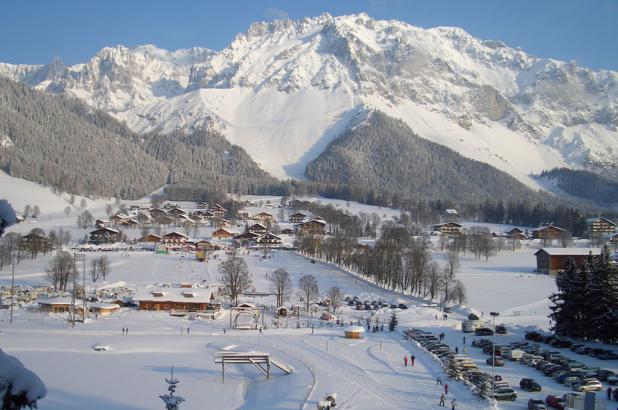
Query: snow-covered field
x: 366, y: 374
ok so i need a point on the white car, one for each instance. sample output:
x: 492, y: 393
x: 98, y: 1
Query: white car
x: 588, y: 385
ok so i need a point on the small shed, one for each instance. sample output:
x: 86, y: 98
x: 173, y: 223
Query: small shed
x: 104, y: 309
x: 354, y: 332
x: 282, y: 311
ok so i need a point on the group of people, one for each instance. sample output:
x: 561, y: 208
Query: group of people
x: 443, y: 395
x: 125, y: 330
x: 375, y: 328
x: 405, y: 360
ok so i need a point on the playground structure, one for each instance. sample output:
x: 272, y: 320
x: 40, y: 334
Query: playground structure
x: 245, y: 316
x: 258, y: 359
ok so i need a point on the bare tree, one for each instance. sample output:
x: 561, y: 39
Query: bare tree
x: 95, y: 273
x: 85, y: 220
x: 60, y: 270
x: 335, y: 295
x: 459, y: 292
x: 308, y: 288
x: 101, y: 268
x: 281, y: 285
x: 235, y: 277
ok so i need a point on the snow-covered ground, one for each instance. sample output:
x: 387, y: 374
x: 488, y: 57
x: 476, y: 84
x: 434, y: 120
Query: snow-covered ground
x: 366, y: 374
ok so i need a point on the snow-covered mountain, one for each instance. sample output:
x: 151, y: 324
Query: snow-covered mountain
x: 284, y: 90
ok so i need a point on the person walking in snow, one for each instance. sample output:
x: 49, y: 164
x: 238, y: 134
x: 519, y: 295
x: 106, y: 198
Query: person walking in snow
x: 464, y: 340
x: 405, y: 361
x: 456, y: 349
x: 609, y: 393
x: 442, y: 398
x: 453, y: 404
x: 412, y: 359
x: 445, y: 388
x: 439, y: 380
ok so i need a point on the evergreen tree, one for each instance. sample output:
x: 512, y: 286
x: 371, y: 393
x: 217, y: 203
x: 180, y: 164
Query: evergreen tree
x: 392, y: 322
x: 171, y: 401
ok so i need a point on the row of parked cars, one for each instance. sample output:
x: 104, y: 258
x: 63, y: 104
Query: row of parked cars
x: 373, y: 305
x: 463, y: 368
x: 575, y: 374
x: 555, y: 341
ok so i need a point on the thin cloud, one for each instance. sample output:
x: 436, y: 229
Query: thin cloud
x: 272, y: 13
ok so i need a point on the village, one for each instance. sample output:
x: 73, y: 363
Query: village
x: 159, y: 278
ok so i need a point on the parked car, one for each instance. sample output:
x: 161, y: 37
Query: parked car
x: 505, y: 393
x: 529, y: 384
x: 583, y: 350
x: 603, y: 374
x: 536, y: 404
x: 483, y: 331
x: 561, y: 343
x: 588, y: 385
x: 402, y: 306
x: 555, y: 402
x: 498, y: 361
x: 534, y: 336
x: 500, y: 329
x: 608, y: 355
x: 472, y: 316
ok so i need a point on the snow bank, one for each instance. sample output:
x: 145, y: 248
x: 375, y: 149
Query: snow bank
x: 13, y: 374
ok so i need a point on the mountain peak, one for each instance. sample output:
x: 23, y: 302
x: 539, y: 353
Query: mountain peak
x: 289, y: 87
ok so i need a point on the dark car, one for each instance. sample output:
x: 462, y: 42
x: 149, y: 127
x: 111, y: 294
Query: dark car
x: 562, y: 343
x: 312, y: 260
x: 608, y: 355
x: 529, y: 384
x: 555, y: 402
x: 447, y: 310
x: 402, y: 306
x: 472, y: 316
x: 534, y: 336
x: 483, y: 331
x: 500, y: 329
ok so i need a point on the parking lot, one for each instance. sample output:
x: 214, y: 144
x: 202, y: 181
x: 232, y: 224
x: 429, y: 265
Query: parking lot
x: 556, y: 370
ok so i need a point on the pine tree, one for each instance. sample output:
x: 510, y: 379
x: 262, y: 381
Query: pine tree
x: 604, y: 292
x: 570, y: 311
x: 392, y: 323
x: 171, y: 402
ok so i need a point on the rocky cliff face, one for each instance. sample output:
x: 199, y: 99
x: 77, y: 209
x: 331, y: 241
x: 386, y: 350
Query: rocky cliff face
x: 284, y: 90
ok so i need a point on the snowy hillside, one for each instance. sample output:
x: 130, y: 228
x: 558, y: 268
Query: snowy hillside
x: 284, y: 90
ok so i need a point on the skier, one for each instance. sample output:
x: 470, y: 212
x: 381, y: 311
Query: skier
x: 456, y: 349
x: 439, y: 380
x: 453, y: 404
x: 445, y: 388
x: 405, y: 361
x: 442, y: 400
x: 464, y: 340
x: 412, y: 359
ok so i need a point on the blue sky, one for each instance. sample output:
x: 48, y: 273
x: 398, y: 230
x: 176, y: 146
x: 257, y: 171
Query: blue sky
x: 74, y: 30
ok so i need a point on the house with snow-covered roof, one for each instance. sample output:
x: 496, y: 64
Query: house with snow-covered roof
x: 178, y: 298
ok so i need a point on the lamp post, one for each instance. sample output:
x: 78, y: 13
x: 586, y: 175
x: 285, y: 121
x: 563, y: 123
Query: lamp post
x: 493, y: 354
x: 12, y: 276
x: 78, y: 257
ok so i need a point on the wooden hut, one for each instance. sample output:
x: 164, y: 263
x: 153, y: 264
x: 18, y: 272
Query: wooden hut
x: 354, y: 332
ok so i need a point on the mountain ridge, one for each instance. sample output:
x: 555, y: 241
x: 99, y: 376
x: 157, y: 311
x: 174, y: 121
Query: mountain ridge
x: 284, y: 90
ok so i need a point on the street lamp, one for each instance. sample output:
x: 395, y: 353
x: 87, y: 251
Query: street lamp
x: 493, y: 354
x: 79, y: 257
x: 13, y: 240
